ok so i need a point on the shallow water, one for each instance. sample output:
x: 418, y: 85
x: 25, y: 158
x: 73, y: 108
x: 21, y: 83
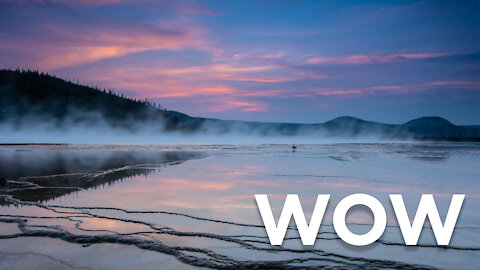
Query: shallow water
x: 186, y: 206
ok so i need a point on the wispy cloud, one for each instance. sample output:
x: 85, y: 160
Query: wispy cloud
x: 372, y: 59
x: 402, y: 89
x: 202, y: 57
x: 300, y: 76
x: 73, y: 47
x: 222, y: 104
x: 198, y: 10
x: 75, y: 2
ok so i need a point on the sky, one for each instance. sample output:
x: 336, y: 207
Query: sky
x: 277, y: 61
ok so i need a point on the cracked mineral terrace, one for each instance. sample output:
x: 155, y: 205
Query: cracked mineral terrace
x: 188, y: 206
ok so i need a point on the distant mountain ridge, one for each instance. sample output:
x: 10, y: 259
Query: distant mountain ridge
x: 30, y: 98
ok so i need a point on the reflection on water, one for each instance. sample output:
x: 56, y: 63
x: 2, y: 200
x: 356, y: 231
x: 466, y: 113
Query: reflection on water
x: 202, y: 212
x: 44, y: 175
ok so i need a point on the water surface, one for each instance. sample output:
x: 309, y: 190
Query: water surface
x: 188, y: 206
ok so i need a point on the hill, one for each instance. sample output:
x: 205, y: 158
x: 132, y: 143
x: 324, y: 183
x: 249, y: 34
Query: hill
x: 30, y: 98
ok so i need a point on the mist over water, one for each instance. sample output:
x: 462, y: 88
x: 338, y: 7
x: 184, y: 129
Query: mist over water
x: 150, y: 135
x: 37, y: 107
x: 209, y: 131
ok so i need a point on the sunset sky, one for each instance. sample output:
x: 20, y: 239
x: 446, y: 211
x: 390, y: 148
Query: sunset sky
x: 282, y: 61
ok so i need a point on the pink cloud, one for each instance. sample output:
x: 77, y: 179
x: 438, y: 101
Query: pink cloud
x: 275, y: 55
x: 339, y: 92
x: 464, y: 84
x: 199, y: 11
x: 273, y: 79
x: 398, y: 89
x: 64, y: 45
x: 258, y: 79
x: 226, y: 68
x: 372, y: 59
x: 76, y: 2
x: 183, y: 82
x: 222, y: 104
x: 263, y: 93
x: 251, y: 56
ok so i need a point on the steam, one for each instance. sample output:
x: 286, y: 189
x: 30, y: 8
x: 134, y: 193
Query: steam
x: 98, y: 130
x: 77, y: 125
x: 91, y: 127
x: 39, y: 108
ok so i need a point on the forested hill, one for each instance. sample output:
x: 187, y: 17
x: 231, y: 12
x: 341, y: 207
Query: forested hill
x: 29, y: 99
x: 38, y: 97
